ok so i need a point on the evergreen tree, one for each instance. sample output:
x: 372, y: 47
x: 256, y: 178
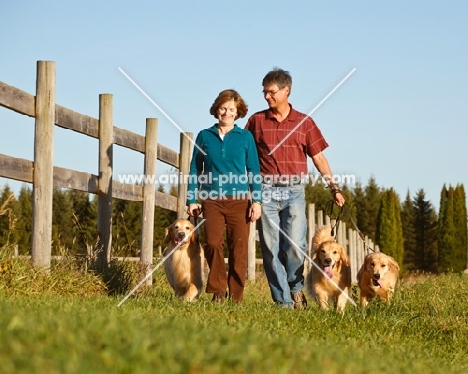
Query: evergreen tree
x: 460, y: 224
x: 447, y: 233
x: 85, y: 221
x: 359, y: 205
x: 409, y: 234
x: 24, y: 220
x: 350, y: 207
x: 126, y: 228
x: 119, y: 237
x: 317, y: 194
x: 389, y: 234
x: 373, y: 196
x: 62, y: 222
x: 133, y: 215
x: 425, y: 225
x: 367, y: 203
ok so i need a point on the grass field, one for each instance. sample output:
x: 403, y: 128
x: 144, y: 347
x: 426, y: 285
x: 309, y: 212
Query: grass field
x: 66, y: 322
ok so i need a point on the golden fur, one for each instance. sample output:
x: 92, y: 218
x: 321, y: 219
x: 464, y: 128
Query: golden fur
x: 377, y: 277
x: 330, y: 268
x: 184, y: 267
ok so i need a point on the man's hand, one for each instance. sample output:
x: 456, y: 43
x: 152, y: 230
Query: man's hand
x: 339, y: 199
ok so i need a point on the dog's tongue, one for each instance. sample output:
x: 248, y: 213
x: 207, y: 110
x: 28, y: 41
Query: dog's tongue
x: 377, y: 282
x: 177, y: 240
x: 329, y: 272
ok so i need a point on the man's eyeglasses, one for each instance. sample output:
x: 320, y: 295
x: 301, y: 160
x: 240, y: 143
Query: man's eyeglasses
x: 271, y: 93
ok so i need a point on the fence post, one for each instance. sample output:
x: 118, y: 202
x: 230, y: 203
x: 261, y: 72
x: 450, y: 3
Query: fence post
x: 43, y: 171
x: 184, y: 168
x: 310, y: 234
x: 353, y: 257
x: 341, y: 235
x: 106, y: 141
x: 147, y: 224
x: 360, y: 248
x: 319, y: 219
x: 251, y: 252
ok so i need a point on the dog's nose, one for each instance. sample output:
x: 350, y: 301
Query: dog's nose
x: 328, y: 261
x: 377, y: 276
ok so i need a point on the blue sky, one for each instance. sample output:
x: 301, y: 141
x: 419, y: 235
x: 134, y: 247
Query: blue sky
x: 400, y: 117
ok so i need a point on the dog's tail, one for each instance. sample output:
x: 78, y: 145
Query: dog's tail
x: 322, y: 235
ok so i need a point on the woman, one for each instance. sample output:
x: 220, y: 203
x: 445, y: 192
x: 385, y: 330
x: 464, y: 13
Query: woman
x: 225, y: 175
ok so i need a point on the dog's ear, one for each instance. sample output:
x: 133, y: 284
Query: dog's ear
x: 169, y: 234
x: 368, y: 260
x: 393, y: 264
x: 360, y: 273
x: 344, y: 257
x: 315, y: 253
x: 193, y: 236
x: 321, y: 235
x: 315, y: 243
x: 363, y: 269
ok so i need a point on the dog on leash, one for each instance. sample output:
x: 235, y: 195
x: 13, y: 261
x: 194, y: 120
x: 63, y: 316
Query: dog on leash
x: 377, y: 277
x: 329, y: 278
x: 184, y: 267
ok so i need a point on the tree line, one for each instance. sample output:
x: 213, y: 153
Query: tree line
x: 410, y: 230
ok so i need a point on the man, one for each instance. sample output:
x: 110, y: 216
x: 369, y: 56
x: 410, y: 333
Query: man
x: 284, y: 138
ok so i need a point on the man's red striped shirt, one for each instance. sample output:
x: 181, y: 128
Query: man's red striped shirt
x: 295, y: 142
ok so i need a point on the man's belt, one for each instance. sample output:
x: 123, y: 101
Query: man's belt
x: 283, y: 181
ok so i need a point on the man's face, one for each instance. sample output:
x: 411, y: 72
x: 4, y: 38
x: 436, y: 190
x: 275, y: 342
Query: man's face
x: 275, y: 96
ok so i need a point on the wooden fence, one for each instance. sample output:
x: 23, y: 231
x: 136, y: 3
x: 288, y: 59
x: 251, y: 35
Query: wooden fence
x: 44, y: 176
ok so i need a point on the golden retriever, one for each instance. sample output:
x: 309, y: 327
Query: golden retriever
x: 377, y: 277
x: 184, y: 267
x: 329, y: 279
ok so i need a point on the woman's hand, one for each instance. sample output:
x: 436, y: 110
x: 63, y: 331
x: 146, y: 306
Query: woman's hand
x: 255, y: 211
x: 194, y: 210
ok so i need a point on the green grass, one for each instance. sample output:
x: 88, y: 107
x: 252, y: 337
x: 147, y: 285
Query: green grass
x: 67, y: 321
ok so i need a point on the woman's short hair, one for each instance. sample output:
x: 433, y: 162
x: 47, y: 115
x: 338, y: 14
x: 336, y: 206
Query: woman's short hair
x: 228, y: 95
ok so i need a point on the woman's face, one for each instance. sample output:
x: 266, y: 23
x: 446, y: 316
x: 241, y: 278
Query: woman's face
x: 227, y: 113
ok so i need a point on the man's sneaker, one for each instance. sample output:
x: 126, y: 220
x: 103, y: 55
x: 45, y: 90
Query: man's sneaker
x: 300, y: 301
x: 219, y: 297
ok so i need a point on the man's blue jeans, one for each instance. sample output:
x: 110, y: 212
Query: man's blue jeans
x: 283, y: 211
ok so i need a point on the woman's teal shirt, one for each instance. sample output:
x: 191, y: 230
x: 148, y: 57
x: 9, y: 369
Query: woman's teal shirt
x: 229, y: 167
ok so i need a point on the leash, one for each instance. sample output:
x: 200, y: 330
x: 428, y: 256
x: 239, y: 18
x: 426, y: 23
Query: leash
x: 194, y: 222
x: 334, y: 229
x: 343, y: 208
